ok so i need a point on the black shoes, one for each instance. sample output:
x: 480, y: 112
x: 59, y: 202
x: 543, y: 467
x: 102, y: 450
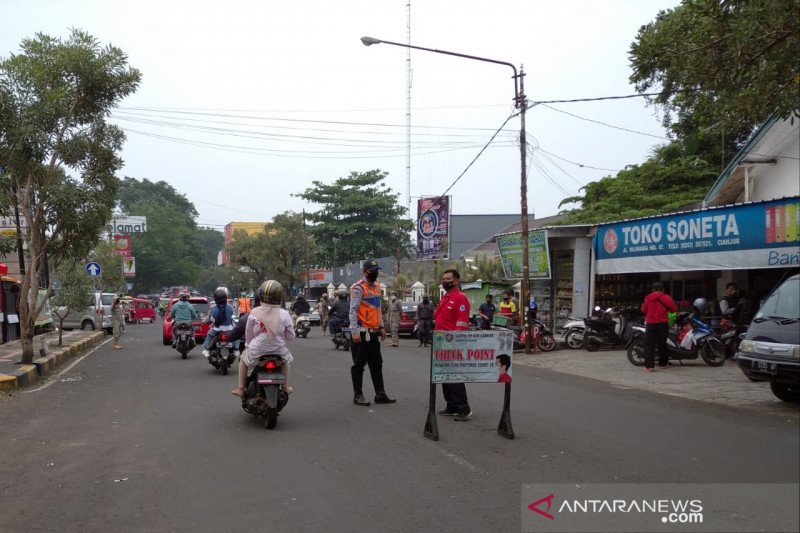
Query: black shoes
x: 359, y: 399
x: 447, y: 412
x: 382, y: 398
x: 463, y: 416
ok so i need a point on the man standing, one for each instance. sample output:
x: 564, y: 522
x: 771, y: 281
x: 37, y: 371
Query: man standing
x: 425, y: 321
x: 486, y: 312
x: 322, y: 309
x: 655, y: 308
x: 729, y: 305
x: 367, y: 331
x: 395, y: 311
x: 508, y: 308
x: 452, y: 314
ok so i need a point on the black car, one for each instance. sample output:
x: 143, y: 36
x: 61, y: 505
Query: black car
x: 770, y: 350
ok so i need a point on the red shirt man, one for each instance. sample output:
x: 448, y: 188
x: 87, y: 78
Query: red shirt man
x: 452, y: 314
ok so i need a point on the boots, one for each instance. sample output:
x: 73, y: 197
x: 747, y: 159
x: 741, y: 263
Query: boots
x: 358, y: 395
x: 377, y: 383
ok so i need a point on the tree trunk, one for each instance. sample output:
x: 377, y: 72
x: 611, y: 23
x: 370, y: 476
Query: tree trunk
x: 27, y: 347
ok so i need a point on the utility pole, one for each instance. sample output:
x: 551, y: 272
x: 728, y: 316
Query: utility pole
x: 397, y: 253
x: 525, y: 286
x: 305, y: 239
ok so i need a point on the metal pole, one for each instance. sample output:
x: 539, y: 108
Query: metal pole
x: 305, y: 239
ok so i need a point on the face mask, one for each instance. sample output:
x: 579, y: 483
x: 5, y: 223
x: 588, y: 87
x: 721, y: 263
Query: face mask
x: 372, y: 276
x: 394, y: 298
x: 424, y: 300
x: 447, y: 285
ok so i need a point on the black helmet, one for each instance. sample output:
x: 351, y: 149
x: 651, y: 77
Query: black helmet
x: 220, y: 296
x: 270, y: 292
x: 184, y: 295
x: 342, y: 294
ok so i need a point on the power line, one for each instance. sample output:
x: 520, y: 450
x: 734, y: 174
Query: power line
x: 597, y: 99
x: 605, y: 124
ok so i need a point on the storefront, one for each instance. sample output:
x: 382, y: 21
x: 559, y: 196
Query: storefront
x: 697, y: 253
x: 9, y: 295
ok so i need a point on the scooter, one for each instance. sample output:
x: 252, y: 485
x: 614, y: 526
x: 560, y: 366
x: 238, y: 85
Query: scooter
x: 703, y: 343
x: 263, y: 394
x: 543, y: 338
x: 606, y: 332
x: 222, y: 353
x: 302, y: 326
x: 573, y: 332
x: 341, y: 338
x: 184, y: 338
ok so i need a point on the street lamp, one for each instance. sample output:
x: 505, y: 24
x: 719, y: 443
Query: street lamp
x: 519, y: 102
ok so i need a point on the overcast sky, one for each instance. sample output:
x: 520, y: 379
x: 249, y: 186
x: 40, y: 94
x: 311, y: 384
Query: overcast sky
x: 244, y: 103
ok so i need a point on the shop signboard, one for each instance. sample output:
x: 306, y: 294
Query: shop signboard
x: 320, y: 277
x: 122, y: 245
x: 510, y: 247
x: 472, y: 356
x: 757, y: 235
x: 129, y: 267
x: 127, y: 224
x: 433, y: 228
x: 8, y: 225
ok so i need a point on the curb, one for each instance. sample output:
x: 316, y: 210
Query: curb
x: 42, y: 366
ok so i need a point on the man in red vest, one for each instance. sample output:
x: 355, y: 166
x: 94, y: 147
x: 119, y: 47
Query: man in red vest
x: 452, y: 314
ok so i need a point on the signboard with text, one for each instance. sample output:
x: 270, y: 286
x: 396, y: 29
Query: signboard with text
x: 127, y: 225
x: 122, y: 245
x: 510, y: 247
x: 482, y: 356
x: 433, y: 228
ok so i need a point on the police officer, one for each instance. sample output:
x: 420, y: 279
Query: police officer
x: 367, y: 332
x: 395, y: 312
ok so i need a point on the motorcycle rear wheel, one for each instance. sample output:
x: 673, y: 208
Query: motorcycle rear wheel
x: 270, y: 418
x: 223, y: 367
x: 574, y: 339
x: 713, y: 353
x: 183, y: 354
x: 636, y: 353
x: 547, y: 343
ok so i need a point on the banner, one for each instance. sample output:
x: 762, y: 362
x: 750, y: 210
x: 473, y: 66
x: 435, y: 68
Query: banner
x: 129, y: 267
x: 759, y: 235
x: 472, y: 356
x: 122, y: 245
x: 320, y: 277
x: 510, y: 247
x: 129, y: 224
x: 433, y: 228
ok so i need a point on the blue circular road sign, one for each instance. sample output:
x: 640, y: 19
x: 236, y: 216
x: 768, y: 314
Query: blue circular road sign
x: 93, y: 268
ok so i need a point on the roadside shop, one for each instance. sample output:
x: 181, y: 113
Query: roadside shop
x: 696, y: 253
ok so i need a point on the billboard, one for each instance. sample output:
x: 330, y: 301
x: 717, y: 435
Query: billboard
x: 8, y: 225
x: 433, y: 227
x: 129, y: 267
x: 760, y: 235
x: 320, y: 277
x: 127, y: 224
x: 122, y: 245
x: 510, y: 247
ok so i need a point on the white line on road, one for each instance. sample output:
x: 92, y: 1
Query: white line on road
x: 75, y: 362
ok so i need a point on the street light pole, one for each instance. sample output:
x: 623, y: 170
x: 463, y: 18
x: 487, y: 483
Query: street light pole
x: 519, y: 102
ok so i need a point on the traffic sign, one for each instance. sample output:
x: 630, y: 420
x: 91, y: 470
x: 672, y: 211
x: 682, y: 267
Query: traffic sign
x: 93, y: 268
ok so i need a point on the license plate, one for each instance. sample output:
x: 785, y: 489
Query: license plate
x: 197, y: 328
x: 226, y: 345
x: 269, y: 379
x: 765, y: 366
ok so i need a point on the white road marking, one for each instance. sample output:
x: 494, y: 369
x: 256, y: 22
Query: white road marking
x: 53, y: 379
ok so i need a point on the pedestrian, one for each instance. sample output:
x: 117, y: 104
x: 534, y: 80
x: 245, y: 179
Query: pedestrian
x: 367, y: 331
x: 117, y: 319
x: 322, y: 309
x: 729, y: 305
x: 395, y: 312
x: 508, y: 308
x: 452, y: 314
x: 655, y: 308
x: 486, y: 312
x: 424, y: 321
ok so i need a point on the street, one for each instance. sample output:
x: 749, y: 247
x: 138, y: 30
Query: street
x: 139, y: 440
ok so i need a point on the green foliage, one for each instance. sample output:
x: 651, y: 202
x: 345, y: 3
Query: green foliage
x: 360, y: 218
x: 60, y: 154
x: 279, y: 253
x: 720, y: 67
x: 667, y: 181
x: 484, y: 267
x: 111, y: 278
x: 73, y: 294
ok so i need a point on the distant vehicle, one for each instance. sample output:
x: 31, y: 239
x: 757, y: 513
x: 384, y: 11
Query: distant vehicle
x: 408, y: 318
x: 201, y: 327
x: 95, y: 315
x: 143, y: 310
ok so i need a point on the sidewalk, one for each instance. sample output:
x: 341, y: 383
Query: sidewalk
x: 723, y: 385
x: 14, y: 375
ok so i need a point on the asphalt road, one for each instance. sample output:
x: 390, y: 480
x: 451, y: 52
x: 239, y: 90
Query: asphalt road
x: 140, y: 440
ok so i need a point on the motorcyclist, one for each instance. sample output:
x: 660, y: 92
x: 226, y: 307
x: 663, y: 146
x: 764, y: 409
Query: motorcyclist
x: 300, y: 306
x: 268, y: 328
x: 340, y: 311
x: 182, y: 313
x: 221, y: 316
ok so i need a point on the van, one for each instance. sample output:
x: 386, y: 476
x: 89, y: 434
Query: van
x: 770, y: 350
x: 87, y: 318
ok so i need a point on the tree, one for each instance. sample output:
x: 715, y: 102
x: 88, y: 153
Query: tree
x: 720, y: 66
x: 279, y: 252
x: 75, y: 290
x: 485, y: 268
x: 59, y: 153
x: 171, y: 251
x: 361, y: 213
x: 111, y: 278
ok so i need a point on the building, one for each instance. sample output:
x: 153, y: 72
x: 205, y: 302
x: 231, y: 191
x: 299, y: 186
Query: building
x: 251, y: 228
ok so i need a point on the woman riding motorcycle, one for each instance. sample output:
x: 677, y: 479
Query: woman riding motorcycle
x: 222, y: 317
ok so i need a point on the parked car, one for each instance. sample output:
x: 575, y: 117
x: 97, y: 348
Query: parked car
x: 201, y: 327
x: 408, y: 318
x: 142, y: 310
x: 87, y: 318
x: 770, y: 350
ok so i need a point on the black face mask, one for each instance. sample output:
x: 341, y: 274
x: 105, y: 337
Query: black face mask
x: 447, y: 285
x: 372, y: 276
x: 425, y: 301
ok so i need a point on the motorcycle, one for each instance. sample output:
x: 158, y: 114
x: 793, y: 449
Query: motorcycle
x: 222, y: 353
x: 731, y: 336
x: 573, y: 333
x: 184, y: 338
x: 543, y: 338
x: 606, y: 332
x: 341, y: 338
x: 702, y: 343
x: 263, y: 394
x: 302, y: 326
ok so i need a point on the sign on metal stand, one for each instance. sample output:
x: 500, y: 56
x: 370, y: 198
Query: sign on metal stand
x: 482, y: 356
x: 93, y: 269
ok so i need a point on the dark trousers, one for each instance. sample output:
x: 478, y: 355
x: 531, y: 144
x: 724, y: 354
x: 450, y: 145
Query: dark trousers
x: 455, y: 394
x: 425, y: 327
x: 485, y: 324
x: 655, y: 336
x: 367, y: 352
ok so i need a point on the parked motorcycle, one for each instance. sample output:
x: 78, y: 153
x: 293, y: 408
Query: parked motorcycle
x: 573, y: 333
x: 703, y: 343
x: 184, y: 338
x: 606, y: 332
x: 302, y: 326
x: 222, y: 353
x: 341, y: 337
x: 543, y: 338
x: 262, y: 393
x: 731, y: 337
